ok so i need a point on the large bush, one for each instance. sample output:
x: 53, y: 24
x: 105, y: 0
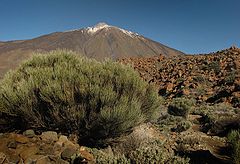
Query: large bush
x: 65, y: 92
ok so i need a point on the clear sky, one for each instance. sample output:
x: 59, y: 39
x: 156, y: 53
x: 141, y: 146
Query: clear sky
x: 192, y: 26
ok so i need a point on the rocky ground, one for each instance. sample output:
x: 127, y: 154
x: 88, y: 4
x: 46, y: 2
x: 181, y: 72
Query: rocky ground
x: 195, y: 143
x: 48, y: 147
x: 207, y: 78
x: 210, y: 78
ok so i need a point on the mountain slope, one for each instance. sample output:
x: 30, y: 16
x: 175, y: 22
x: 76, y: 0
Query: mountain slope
x: 99, y: 42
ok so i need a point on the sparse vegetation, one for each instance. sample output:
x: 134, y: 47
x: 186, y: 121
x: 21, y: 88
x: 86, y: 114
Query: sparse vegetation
x: 200, y: 90
x: 142, y: 134
x: 199, y: 78
x: 219, y: 118
x: 182, y: 126
x: 149, y: 152
x: 215, y: 66
x: 180, y: 107
x: 168, y: 123
x: 154, y: 152
x: 230, y: 77
x: 103, y: 157
x: 183, y: 144
x: 234, y: 141
x: 108, y: 105
x: 61, y: 91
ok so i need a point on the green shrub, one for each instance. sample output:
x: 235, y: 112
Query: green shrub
x: 168, y: 123
x: 103, y: 158
x: 230, y: 78
x: 182, y: 126
x: 141, y: 134
x: 149, y: 152
x: 199, y: 79
x: 180, y: 107
x: 233, y: 136
x: 203, y: 109
x: 215, y: 66
x: 155, y: 152
x: 60, y: 90
x: 234, y: 141
x: 190, y: 140
x: 200, y: 90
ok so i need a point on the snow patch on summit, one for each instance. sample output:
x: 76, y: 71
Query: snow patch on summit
x: 92, y: 30
x: 100, y: 26
x: 96, y: 28
x: 129, y: 33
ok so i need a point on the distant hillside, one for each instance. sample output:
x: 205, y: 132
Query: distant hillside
x: 99, y: 42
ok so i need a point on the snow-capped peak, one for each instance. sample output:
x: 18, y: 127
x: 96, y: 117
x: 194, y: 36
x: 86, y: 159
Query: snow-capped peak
x: 100, y: 26
x: 92, y: 30
x: 97, y: 27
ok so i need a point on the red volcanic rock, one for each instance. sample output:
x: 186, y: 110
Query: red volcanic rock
x: 207, y: 71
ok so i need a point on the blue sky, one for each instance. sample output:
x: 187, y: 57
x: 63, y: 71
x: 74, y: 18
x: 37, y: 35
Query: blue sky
x: 192, y: 26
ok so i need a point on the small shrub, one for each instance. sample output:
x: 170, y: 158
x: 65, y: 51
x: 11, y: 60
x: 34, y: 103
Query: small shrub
x: 199, y: 79
x: 186, y: 143
x: 149, y: 152
x: 155, y: 152
x: 215, y: 66
x: 63, y: 91
x: 234, y: 141
x: 103, y: 158
x: 182, y: 126
x: 179, y: 160
x: 233, y: 137
x: 203, y: 109
x: 180, y: 107
x: 141, y: 134
x: 230, y: 78
x: 180, y: 80
x: 168, y: 122
x: 200, y: 90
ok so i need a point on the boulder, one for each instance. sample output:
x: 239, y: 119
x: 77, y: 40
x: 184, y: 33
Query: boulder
x: 33, y: 158
x: 49, y: 136
x: 43, y: 160
x: 29, y: 133
x: 86, y: 155
x: 28, y: 152
x: 21, y: 139
x: 68, y: 153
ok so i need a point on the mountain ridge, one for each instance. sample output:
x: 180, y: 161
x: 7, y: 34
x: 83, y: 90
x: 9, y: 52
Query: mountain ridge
x: 99, y: 42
